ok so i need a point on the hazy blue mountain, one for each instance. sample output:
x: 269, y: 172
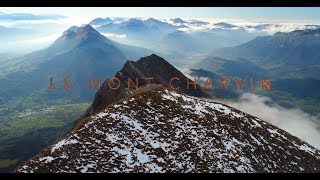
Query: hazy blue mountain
x: 205, y: 41
x: 216, y: 67
x: 183, y: 41
x: 240, y: 67
x: 134, y: 29
x: 286, y: 55
x: 299, y: 47
x: 167, y: 37
x: 138, y: 28
x: 178, y: 21
x: 80, y: 53
x: 100, y: 21
x: 218, y: 92
x: 175, y: 43
x: 162, y: 26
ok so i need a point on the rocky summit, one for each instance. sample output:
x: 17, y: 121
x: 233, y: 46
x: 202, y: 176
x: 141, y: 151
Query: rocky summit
x: 154, y: 67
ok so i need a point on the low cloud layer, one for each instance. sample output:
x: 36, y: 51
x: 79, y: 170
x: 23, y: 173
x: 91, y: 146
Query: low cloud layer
x: 294, y: 121
x: 200, y: 80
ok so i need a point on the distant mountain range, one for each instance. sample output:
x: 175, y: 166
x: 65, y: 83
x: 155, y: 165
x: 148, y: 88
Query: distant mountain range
x: 174, y: 40
x: 177, y: 39
x: 179, y: 23
x: 100, y: 21
x: 137, y: 27
x: 238, y: 68
x: 153, y: 129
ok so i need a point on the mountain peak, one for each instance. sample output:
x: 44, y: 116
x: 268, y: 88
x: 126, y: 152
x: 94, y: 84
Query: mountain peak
x: 100, y: 21
x: 152, y: 19
x: 178, y: 20
x: 74, y: 36
x: 86, y: 29
x: 152, y: 58
x: 149, y: 61
x: 151, y: 66
x: 71, y: 29
x: 75, y: 32
x: 134, y: 21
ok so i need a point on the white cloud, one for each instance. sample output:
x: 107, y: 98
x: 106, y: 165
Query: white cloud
x: 294, y: 121
x: 200, y: 80
x: 42, y: 40
x: 29, y: 44
x: 275, y: 26
x: 111, y: 35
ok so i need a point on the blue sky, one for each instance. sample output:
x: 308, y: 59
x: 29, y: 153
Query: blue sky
x: 311, y: 14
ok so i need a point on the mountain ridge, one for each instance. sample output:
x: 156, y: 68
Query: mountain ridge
x: 161, y: 131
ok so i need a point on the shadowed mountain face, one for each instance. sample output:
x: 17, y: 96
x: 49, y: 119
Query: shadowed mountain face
x: 80, y: 53
x: 240, y: 67
x: 153, y: 67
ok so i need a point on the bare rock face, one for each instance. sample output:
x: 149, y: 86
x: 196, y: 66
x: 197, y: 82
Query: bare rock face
x: 156, y: 130
x: 148, y: 67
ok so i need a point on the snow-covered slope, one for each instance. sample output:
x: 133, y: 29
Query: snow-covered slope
x: 161, y: 131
